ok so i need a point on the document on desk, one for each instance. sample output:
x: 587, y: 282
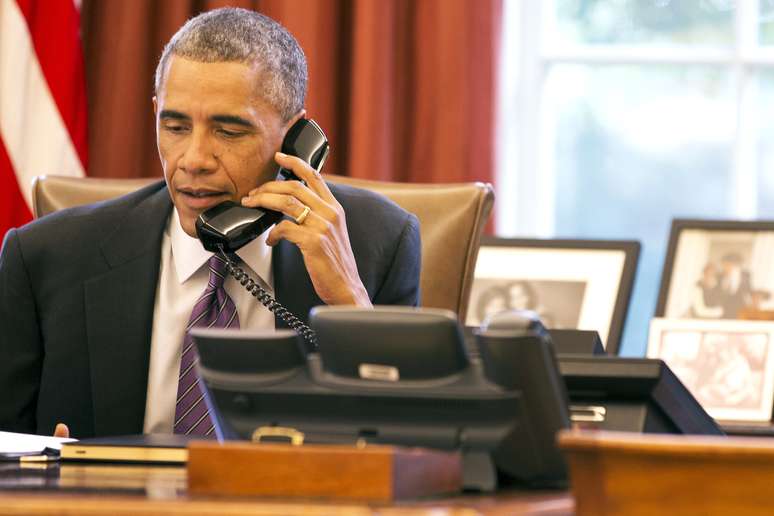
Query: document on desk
x: 13, y: 446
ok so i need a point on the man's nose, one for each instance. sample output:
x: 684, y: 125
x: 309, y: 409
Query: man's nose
x: 199, y: 156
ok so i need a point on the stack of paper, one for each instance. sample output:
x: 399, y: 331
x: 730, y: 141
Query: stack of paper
x: 13, y: 445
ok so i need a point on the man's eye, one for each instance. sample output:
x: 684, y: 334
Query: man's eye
x: 175, y: 128
x: 230, y: 134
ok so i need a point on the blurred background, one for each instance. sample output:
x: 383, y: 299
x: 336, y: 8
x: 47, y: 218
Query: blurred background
x: 403, y: 89
x: 617, y: 115
x: 593, y: 118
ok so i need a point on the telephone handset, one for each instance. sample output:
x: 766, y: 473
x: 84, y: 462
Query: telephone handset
x: 229, y: 225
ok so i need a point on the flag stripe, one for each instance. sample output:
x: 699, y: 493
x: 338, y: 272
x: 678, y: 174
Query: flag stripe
x: 55, y: 27
x: 13, y: 209
x: 36, y: 139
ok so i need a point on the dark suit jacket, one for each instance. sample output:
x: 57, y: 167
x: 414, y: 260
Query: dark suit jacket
x: 77, y: 291
x: 733, y: 302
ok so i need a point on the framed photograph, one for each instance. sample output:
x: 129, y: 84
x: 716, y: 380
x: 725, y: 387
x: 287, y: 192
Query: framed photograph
x: 718, y: 270
x: 574, y: 284
x: 728, y: 365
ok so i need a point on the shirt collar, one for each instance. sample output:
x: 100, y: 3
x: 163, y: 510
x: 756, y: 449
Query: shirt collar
x: 189, y: 255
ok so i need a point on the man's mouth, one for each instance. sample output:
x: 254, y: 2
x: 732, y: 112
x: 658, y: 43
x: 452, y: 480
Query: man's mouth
x: 200, y: 192
x: 203, y: 194
x: 202, y: 197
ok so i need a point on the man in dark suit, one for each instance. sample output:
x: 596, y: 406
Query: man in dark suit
x: 94, y: 301
x: 735, y: 288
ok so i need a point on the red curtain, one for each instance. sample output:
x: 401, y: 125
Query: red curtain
x: 404, y: 88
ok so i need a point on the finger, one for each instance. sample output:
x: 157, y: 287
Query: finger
x: 61, y: 430
x: 286, y: 204
x: 290, y: 231
x: 302, y: 195
x: 306, y: 173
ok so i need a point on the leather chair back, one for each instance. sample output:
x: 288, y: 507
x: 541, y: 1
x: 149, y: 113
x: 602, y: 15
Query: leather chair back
x: 451, y: 218
x: 53, y: 193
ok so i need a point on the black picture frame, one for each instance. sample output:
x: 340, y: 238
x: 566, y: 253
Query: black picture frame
x: 612, y: 328
x: 677, y: 231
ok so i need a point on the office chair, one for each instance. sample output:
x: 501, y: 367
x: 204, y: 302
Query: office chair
x: 451, y: 219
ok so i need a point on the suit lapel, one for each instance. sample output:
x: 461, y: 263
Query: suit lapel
x: 119, y: 316
x: 292, y: 285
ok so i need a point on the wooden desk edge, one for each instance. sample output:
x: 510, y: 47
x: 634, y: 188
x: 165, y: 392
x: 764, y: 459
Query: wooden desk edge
x: 15, y: 503
x: 666, y: 444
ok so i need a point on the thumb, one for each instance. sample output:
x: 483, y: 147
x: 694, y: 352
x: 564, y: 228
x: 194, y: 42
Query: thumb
x: 61, y: 430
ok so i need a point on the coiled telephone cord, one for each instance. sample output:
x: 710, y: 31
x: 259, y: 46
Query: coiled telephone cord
x: 266, y: 299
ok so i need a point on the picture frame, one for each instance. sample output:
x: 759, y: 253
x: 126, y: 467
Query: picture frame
x: 577, y: 284
x: 718, y: 269
x: 728, y: 365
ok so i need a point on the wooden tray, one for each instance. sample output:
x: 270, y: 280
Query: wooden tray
x: 374, y: 473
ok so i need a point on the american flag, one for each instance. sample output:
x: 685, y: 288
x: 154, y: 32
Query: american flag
x: 43, y: 111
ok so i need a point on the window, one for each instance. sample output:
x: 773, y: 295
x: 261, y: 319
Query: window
x: 618, y: 115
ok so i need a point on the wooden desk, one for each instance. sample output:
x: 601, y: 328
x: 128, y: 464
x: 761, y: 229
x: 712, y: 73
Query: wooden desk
x: 749, y: 429
x: 118, y: 490
x: 618, y: 473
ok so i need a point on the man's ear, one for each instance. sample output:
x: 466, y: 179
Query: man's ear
x: 298, y: 116
x: 155, y: 106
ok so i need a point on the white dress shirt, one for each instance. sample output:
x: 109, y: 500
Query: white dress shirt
x: 183, y: 277
x: 732, y: 280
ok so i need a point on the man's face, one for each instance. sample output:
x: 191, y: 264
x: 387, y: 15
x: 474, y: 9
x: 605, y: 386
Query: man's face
x: 215, y: 134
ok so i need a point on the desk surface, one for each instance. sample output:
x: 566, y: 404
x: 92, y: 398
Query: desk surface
x: 117, y: 490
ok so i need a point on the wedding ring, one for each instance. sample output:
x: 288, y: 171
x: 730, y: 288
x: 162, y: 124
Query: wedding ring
x: 301, y: 218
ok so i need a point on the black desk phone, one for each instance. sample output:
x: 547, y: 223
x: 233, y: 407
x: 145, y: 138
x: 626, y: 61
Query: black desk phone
x: 229, y: 225
x: 403, y: 376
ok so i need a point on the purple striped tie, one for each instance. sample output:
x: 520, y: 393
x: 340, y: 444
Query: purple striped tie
x: 214, y: 309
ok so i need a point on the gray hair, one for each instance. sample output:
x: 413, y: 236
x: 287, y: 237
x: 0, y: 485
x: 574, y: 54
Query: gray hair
x: 238, y: 35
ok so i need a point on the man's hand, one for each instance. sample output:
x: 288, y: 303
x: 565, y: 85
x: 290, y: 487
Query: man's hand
x: 321, y: 236
x: 61, y: 430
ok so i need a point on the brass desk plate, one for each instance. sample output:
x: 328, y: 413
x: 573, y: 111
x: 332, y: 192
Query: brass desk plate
x: 372, y: 473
